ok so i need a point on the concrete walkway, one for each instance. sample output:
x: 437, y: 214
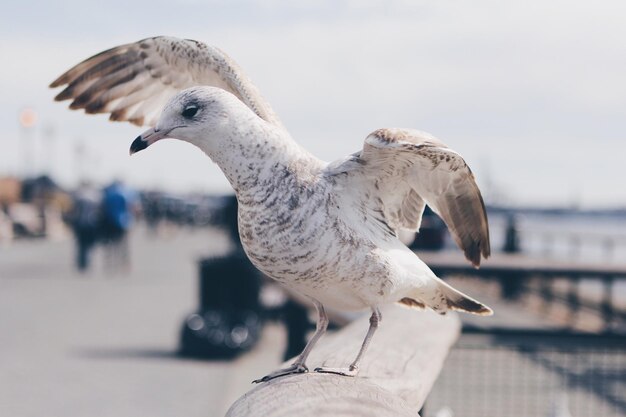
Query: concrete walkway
x: 98, y: 345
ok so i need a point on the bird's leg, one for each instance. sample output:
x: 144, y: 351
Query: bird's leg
x: 353, y: 369
x: 299, y: 365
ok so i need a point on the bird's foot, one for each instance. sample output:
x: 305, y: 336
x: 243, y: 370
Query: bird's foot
x: 350, y: 371
x: 296, y: 368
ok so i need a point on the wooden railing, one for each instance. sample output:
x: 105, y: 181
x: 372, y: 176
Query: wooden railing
x: 397, y: 372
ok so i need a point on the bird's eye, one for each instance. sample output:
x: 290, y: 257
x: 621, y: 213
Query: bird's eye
x: 190, y: 111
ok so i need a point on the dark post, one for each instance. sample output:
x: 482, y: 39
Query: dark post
x: 573, y: 299
x: 608, y: 312
x: 511, y: 283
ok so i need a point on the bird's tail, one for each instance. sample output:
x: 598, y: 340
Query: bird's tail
x: 441, y: 297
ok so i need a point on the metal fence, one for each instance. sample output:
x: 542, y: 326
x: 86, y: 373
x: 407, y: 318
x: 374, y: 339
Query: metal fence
x: 505, y: 373
x: 574, y: 287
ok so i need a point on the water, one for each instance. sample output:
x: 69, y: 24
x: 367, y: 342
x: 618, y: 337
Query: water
x: 565, y: 236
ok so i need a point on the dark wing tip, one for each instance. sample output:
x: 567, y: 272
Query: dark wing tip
x: 475, y: 251
x: 118, y: 115
x: 63, y: 95
x: 95, y: 106
x: 70, y: 75
x: 472, y: 254
x: 76, y: 105
x: 486, y: 251
x: 57, y: 83
x: 63, y: 78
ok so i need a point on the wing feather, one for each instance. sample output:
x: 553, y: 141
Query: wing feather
x: 412, y: 209
x: 407, y: 169
x: 134, y: 80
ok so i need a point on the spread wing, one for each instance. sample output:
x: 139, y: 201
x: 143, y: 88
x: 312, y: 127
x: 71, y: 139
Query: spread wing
x: 401, y: 170
x: 133, y: 82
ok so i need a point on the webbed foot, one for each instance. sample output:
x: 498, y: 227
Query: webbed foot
x: 349, y: 371
x: 296, y: 368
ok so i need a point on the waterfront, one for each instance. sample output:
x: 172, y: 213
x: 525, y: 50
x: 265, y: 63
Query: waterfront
x: 106, y: 344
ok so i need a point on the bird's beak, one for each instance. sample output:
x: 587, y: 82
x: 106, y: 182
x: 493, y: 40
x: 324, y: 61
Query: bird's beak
x: 146, y: 139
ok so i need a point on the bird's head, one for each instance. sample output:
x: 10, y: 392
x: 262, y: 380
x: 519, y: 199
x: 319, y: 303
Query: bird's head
x: 193, y: 115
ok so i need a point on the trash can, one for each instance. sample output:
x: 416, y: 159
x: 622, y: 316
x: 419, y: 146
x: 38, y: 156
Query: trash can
x: 228, y: 321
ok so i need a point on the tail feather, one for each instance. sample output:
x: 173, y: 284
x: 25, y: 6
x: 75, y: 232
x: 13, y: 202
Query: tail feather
x: 458, y: 301
x: 441, y: 297
x: 469, y: 305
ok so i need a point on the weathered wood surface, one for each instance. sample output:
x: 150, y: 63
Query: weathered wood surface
x: 397, y: 372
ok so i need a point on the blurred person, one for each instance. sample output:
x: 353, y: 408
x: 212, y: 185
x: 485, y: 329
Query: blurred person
x: 511, y: 235
x: 118, y: 205
x: 84, y: 218
x: 152, y: 212
x: 6, y: 224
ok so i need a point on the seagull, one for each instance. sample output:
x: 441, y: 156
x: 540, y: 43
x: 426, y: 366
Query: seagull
x: 328, y: 231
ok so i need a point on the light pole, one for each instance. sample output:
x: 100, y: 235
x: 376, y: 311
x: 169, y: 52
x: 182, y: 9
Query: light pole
x: 49, y: 148
x: 27, y: 119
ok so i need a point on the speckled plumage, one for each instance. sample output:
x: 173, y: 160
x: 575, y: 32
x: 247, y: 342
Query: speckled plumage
x: 327, y: 231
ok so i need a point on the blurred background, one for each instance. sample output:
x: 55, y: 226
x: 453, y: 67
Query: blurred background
x: 124, y: 292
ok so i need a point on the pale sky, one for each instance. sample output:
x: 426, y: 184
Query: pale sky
x: 532, y: 94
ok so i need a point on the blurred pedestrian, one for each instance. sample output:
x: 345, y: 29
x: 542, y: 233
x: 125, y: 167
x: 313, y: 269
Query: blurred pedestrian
x: 85, y: 221
x: 511, y: 235
x: 151, y: 210
x: 118, y: 204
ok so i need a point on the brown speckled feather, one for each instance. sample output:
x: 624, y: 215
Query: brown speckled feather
x: 406, y: 168
x: 132, y: 82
